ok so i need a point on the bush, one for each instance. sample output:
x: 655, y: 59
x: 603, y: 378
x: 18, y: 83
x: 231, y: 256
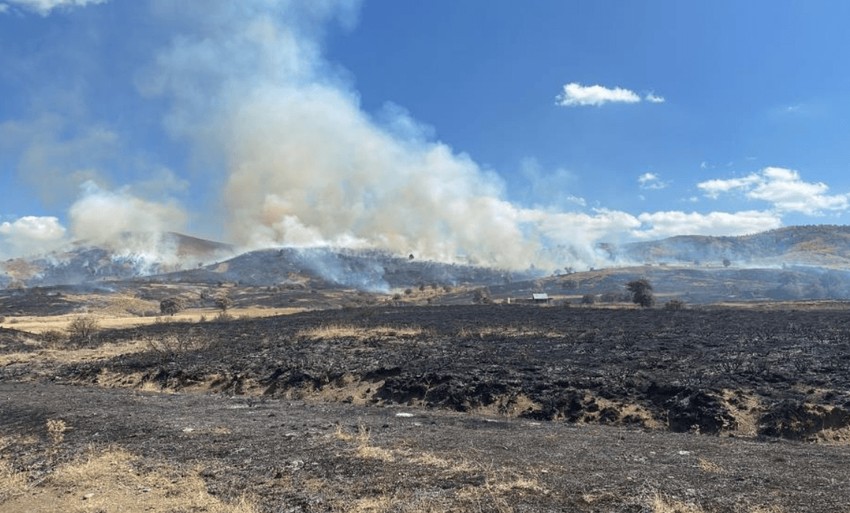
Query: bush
x: 588, y: 299
x: 171, y: 305
x: 223, y: 303
x: 609, y: 297
x: 54, y: 338
x: 641, y: 292
x: 82, y: 330
x: 481, y: 296
x: 223, y: 317
x: 674, y: 304
x: 177, y: 342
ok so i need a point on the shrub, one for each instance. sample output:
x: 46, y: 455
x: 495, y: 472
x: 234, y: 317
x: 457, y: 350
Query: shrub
x: 641, y: 292
x: 82, y: 330
x: 223, y: 317
x: 609, y: 297
x: 177, y: 342
x: 481, y: 296
x: 53, y: 338
x: 674, y: 304
x: 223, y: 303
x: 171, y: 305
x: 588, y: 299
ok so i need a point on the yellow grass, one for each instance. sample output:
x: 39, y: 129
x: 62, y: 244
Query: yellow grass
x: 336, y: 331
x: 49, y: 356
x: 709, y: 466
x: 508, y: 332
x: 662, y: 504
x: 40, y: 324
x: 109, y: 481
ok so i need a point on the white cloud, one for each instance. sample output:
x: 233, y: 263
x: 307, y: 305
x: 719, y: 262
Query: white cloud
x: 656, y: 225
x: 30, y: 234
x: 783, y: 188
x: 576, y: 95
x: 44, y: 7
x: 651, y: 181
x: 652, y: 98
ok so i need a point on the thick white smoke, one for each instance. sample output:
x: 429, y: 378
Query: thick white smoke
x: 306, y: 166
x: 301, y: 164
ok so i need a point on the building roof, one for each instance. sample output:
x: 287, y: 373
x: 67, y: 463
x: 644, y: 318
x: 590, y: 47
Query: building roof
x: 541, y: 296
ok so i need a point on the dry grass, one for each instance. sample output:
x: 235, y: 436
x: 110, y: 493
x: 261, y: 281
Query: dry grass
x: 663, y: 504
x: 745, y: 414
x: 111, y: 481
x: 709, y: 466
x: 493, y: 495
x: 507, y: 332
x: 337, y: 331
x: 107, y: 319
x: 66, y: 356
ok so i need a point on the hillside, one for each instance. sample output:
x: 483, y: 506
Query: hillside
x: 821, y: 245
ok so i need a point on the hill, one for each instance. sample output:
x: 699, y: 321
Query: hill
x: 821, y: 245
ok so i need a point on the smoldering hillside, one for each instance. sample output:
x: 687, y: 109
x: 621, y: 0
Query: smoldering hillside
x: 797, y: 263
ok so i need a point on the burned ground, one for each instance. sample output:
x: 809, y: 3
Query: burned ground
x: 706, y: 370
x: 503, y: 407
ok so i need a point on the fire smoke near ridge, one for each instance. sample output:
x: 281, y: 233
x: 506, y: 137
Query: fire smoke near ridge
x: 301, y: 164
x: 306, y: 166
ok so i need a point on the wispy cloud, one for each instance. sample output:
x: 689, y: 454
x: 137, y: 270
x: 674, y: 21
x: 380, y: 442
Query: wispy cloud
x: 577, y: 95
x: 44, y: 7
x: 783, y: 188
x: 653, y: 98
x: 651, y: 181
x: 656, y: 225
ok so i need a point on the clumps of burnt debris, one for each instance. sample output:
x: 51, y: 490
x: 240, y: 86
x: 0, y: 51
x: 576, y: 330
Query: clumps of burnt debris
x: 721, y: 371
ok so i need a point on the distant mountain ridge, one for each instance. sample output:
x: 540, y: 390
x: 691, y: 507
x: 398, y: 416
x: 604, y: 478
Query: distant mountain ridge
x: 131, y: 255
x: 797, y: 262
x: 817, y: 245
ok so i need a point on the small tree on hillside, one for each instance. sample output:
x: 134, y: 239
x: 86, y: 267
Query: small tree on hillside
x: 171, y: 305
x: 641, y: 292
x: 223, y: 303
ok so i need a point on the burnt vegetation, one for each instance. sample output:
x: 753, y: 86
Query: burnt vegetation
x: 712, y: 370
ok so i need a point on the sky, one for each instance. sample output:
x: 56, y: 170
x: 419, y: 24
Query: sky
x: 480, y: 131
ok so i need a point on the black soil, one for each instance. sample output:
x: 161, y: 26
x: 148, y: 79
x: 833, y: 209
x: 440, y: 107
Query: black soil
x: 601, y: 409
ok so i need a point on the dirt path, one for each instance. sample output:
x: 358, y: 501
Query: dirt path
x: 316, y: 457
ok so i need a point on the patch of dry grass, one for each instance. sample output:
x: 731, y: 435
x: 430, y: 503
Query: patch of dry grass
x: 517, y: 331
x: 745, y: 412
x: 110, y: 480
x: 663, y: 504
x: 66, y: 356
x: 494, y: 494
x: 709, y: 466
x: 109, y: 318
x: 337, y: 331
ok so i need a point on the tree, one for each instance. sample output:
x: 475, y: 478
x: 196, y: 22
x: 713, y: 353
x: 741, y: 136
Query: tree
x: 726, y: 262
x: 481, y: 296
x: 171, y: 305
x: 223, y: 303
x: 82, y: 330
x: 588, y: 299
x: 641, y: 292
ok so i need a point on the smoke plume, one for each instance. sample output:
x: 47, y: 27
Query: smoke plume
x: 306, y: 166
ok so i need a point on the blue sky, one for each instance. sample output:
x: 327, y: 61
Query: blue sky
x: 487, y: 131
